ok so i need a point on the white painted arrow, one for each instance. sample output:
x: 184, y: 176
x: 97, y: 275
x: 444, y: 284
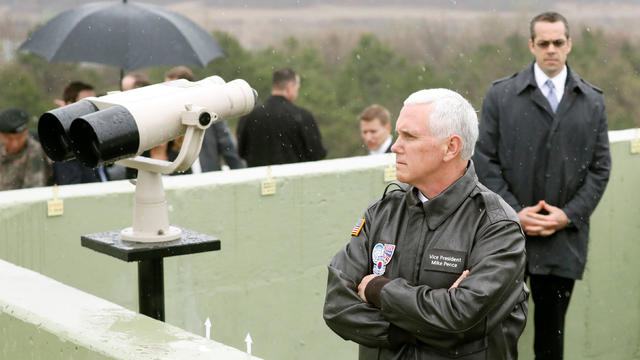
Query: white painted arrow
x: 207, y: 326
x: 249, y: 341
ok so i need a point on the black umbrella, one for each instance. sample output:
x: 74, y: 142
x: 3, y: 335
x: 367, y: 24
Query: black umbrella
x: 127, y: 35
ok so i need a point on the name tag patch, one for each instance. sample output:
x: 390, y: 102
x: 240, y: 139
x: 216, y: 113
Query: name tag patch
x: 450, y: 261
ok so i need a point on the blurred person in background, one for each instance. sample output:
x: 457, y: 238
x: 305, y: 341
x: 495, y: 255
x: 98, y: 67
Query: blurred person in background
x: 277, y: 131
x: 23, y: 164
x: 134, y: 81
x: 375, y: 129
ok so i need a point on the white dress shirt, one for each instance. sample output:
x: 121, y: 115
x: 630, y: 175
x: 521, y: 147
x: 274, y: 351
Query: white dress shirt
x: 383, y: 148
x: 558, y: 81
x: 422, y: 197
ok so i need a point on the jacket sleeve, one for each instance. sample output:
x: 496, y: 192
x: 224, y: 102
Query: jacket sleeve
x: 485, y: 157
x: 71, y: 172
x: 227, y: 146
x: 314, y: 150
x: 344, y: 312
x: 584, y: 202
x: 38, y: 167
x: 240, y: 135
x: 444, y: 318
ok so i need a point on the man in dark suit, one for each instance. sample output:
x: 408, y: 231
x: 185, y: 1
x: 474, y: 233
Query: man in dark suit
x: 375, y: 129
x: 543, y: 146
x: 277, y: 131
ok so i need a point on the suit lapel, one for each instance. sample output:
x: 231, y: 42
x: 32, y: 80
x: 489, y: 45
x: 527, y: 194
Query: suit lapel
x: 571, y: 88
x: 526, y: 82
x: 542, y: 102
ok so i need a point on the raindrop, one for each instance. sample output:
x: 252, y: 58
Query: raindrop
x: 358, y: 56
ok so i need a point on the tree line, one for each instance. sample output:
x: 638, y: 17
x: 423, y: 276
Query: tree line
x: 335, y: 89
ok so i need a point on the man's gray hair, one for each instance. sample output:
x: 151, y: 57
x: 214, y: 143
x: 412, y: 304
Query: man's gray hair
x: 452, y: 115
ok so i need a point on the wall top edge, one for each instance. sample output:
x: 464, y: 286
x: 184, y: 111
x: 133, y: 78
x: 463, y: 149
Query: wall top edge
x: 11, y: 197
x: 98, y: 324
x: 233, y: 176
x: 624, y: 135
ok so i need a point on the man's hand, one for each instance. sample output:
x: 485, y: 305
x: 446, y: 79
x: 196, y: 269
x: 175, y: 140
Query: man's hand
x: 457, y: 282
x: 536, y: 224
x: 363, y: 285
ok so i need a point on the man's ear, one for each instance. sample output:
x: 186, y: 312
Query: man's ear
x: 531, y: 46
x: 454, y: 146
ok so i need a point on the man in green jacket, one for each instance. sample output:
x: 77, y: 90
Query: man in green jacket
x: 433, y: 270
x: 23, y: 164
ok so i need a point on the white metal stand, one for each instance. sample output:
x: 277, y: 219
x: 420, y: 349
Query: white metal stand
x: 150, y: 216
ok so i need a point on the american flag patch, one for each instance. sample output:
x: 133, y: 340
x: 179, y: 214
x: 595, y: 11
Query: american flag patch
x: 356, y: 229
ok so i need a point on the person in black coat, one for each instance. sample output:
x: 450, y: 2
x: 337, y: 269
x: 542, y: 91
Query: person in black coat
x: 544, y: 147
x: 277, y: 131
x: 217, y: 142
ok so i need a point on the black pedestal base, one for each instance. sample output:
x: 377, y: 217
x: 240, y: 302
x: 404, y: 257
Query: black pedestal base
x: 150, y: 261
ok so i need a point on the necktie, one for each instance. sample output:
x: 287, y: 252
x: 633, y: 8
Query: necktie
x: 551, y: 96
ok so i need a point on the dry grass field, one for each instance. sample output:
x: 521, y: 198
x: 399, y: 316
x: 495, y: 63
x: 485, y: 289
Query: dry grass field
x: 337, y: 26
x: 258, y: 28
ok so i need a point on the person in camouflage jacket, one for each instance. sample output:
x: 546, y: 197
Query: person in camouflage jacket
x: 23, y: 164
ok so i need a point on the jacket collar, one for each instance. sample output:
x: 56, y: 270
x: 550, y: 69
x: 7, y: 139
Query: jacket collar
x: 438, y: 209
x: 526, y: 79
x: 278, y: 98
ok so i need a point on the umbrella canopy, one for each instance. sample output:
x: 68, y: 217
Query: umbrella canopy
x: 122, y: 34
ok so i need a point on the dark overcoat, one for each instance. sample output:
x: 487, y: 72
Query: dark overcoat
x: 279, y: 132
x: 217, y: 142
x: 526, y: 153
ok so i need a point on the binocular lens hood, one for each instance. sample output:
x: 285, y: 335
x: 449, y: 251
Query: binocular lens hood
x: 104, y: 136
x: 53, y: 129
